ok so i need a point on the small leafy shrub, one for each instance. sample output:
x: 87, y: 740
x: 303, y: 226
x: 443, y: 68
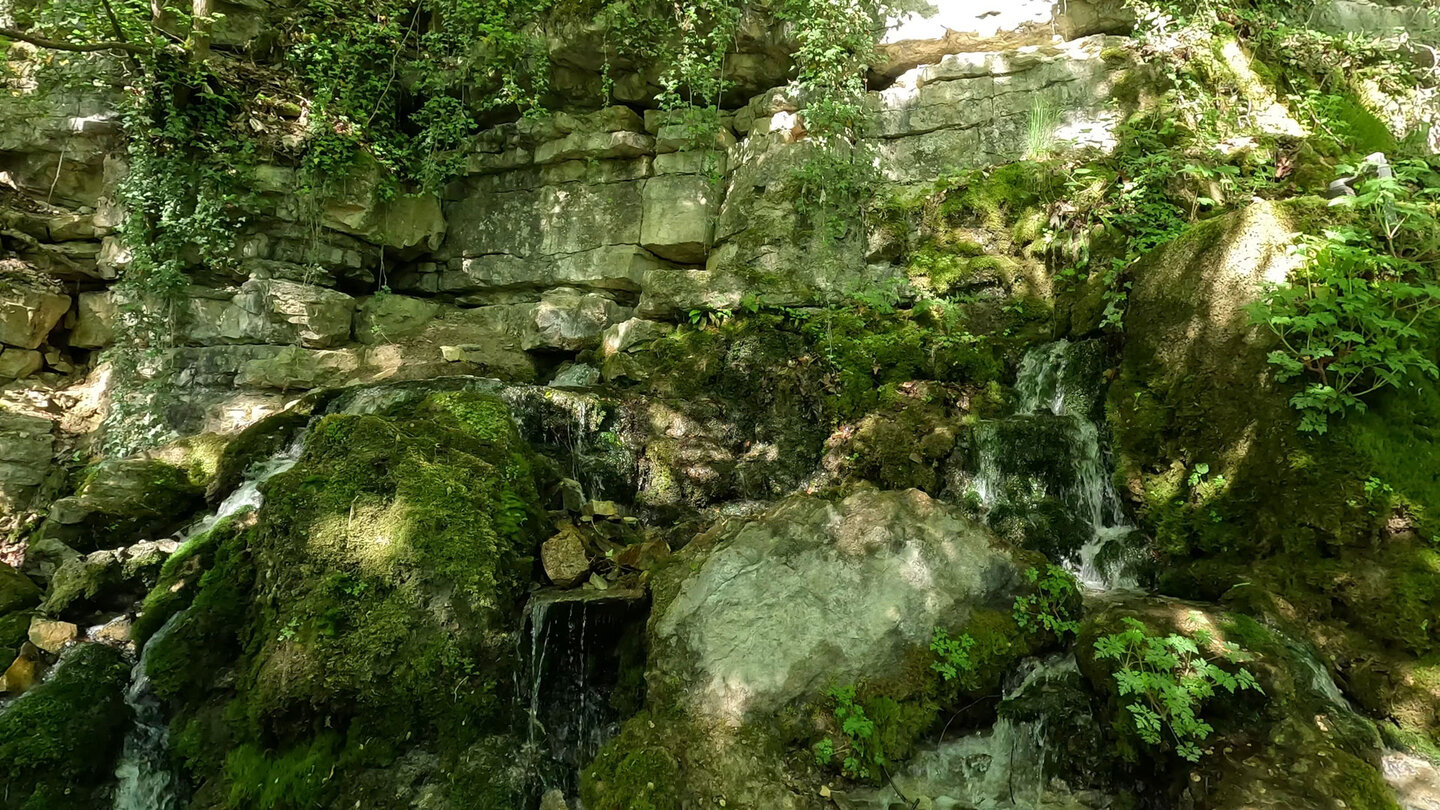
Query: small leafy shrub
x: 952, y: 655
x: 1051, y: 608
x: 1167, y: 681
x: 859, y: 755
x: 1360, y: 315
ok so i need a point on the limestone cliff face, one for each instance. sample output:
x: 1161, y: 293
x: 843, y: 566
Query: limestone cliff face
x: 654, y: 339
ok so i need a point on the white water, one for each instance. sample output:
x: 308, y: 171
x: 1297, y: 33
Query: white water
x: 145, y: 779
x: 1000, y: 768
x: 1044, y: 389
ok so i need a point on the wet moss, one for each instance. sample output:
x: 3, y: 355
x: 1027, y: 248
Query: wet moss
x: 58, y: 742
x: 363, y: 619
x: 637, y: 770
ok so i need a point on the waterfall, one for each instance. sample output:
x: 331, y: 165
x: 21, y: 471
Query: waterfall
x: 581, y: 648
x: 146, y: 781
x: 1054, y: 400
x: 1000, y: 767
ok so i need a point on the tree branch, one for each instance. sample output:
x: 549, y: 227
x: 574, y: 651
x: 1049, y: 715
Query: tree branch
x: 77, y: 47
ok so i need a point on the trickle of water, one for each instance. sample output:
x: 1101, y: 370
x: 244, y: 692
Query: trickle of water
x: 247, y: 495
x: 1000, y: 767
x: 578, y: 654
x: 146, y: 781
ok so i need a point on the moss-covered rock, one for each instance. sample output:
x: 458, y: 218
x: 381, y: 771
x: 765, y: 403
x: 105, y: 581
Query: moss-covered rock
x: 1294, y: 740
x: 17, y: 591
x: 354, y: 643
x: 59, y: 741
x: 119, y: 501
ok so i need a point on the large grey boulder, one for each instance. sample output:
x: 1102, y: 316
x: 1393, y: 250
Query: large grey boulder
x: 764, y: 612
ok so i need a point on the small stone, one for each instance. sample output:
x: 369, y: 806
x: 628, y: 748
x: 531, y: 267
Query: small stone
x: 116, y: 631
x: 24, y: 671
x: 565, y: 559
x: 938, y: 443
x: 51, y: 635
x: 553, y: 800
x: 643, y: 556
x: 598, y: 583
x: 602, y: 509
x: 572, y: 495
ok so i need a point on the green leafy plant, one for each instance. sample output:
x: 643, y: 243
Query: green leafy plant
x: 858, y: 751
x: 952, y: 655
x: 1050, y: 607
x: 1165, y: 682
x: 1359, y: 315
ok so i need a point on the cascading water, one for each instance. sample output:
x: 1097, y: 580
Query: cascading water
x: 584, y: 646
x: 1017, y: 459
x: 146, y: 781
x: 1001, y: 767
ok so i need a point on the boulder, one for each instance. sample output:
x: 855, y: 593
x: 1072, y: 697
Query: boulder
x: 24, y: 672
x: 28, y: 312
x: 94, y: 321
x: 746, y: 622
x: 17, y: 364
x: 1191, y: 347
x: 570, y: 320
x: 121, y: 500
x: 106, y: 579
x: 566, y: 561
x: 391, y: 318
x: 679, y: 216
x: 1294, y: 742
x: 59, y: 741
x: 17, y: 592
x: 273, y: 311
x: 51, y: 635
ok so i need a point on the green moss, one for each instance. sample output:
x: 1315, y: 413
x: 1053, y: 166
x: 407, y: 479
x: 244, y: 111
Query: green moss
x: 17, y: 591
x: 370, y: 603
x: 637, y: 770
x: 181, y: 574
x: 59, y: 741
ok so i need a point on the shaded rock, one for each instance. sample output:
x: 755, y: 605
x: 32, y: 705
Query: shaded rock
x: 17, y: 592
x: 122, y: 499
x: 24, y: 672
x: 107, y: 579
x: 60, y: 740
x: 18, y: 363
x: 391, y: 318
x: 94, y: 321
x: 643, y: 556
x: 575, y: 375
x: 553, y: 800
x: 28, y: 312
x: 565, y: 559
x: 747, y: 626
x: 1297, y: 743
x: 51, y: 635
